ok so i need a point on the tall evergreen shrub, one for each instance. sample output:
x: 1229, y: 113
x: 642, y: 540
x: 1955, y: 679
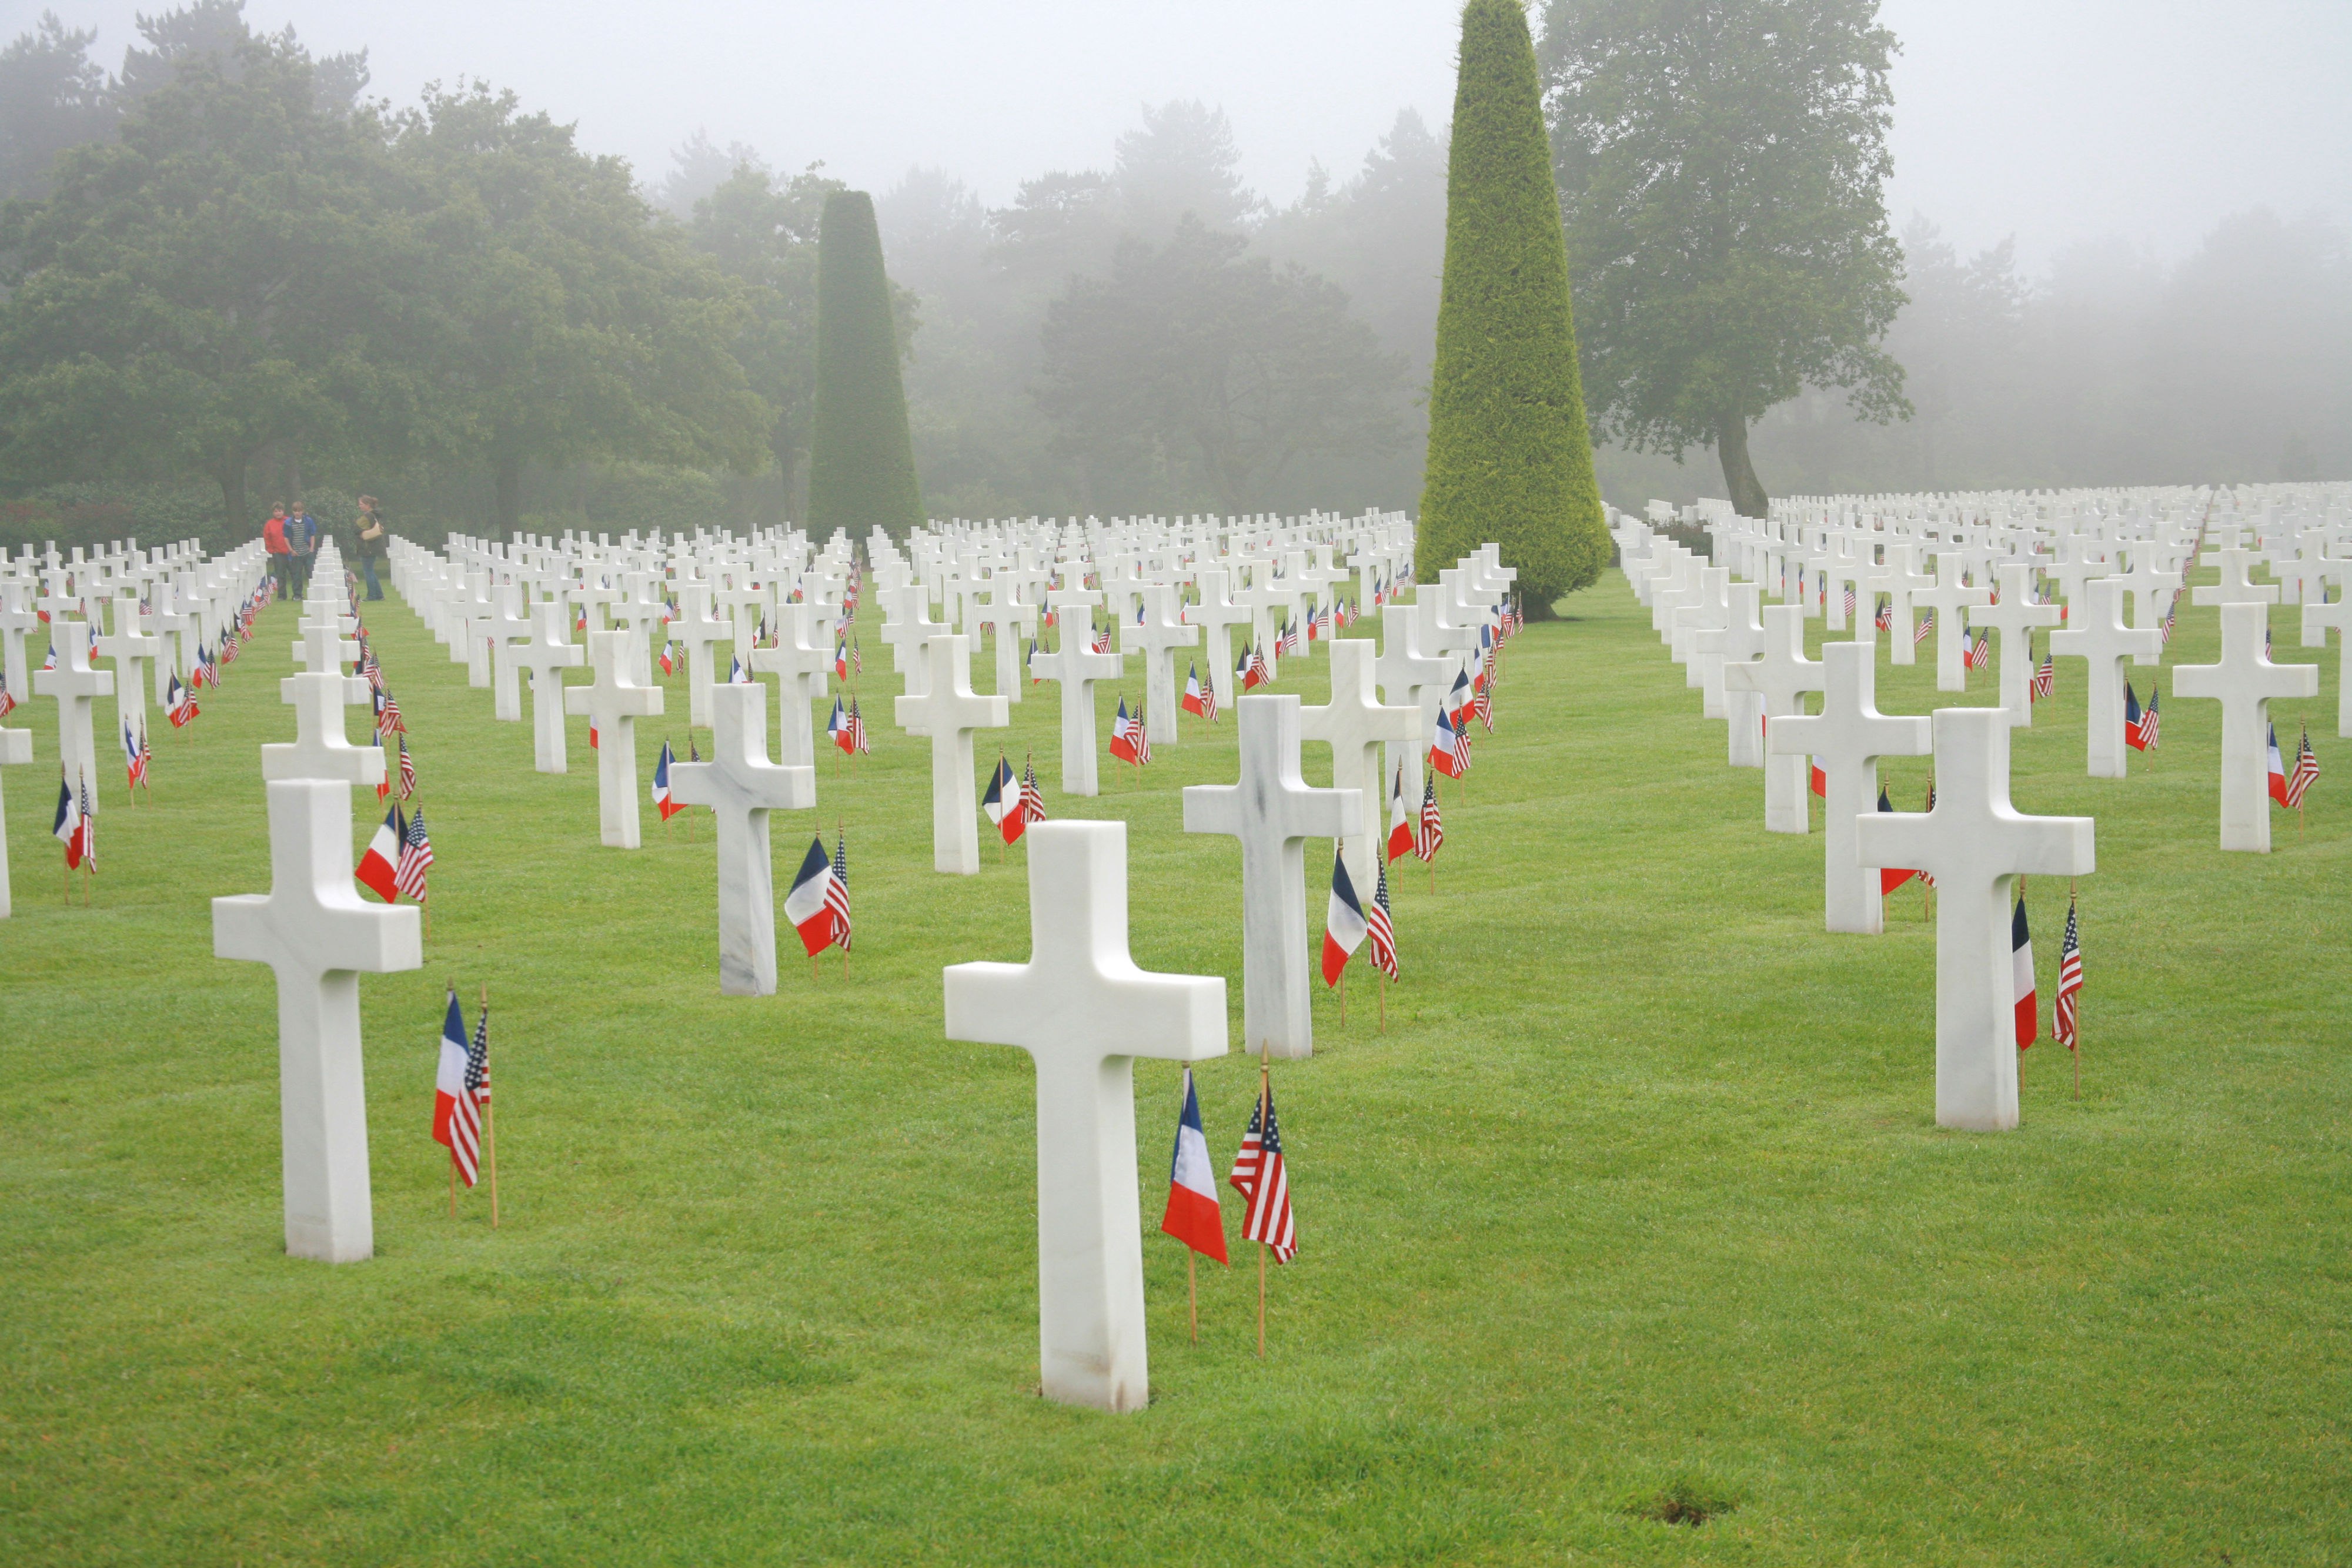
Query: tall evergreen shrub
x: 861, y: 457
x: 1510, y: 459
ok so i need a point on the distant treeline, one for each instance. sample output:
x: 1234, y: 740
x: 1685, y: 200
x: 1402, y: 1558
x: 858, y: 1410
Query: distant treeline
x: 230, y: 277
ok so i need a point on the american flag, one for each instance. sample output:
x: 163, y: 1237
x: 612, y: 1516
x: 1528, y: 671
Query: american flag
x: 415, y: 858
x: 1849, y: 599
x: 2170, y: 611
x: 1033, y: 800
x: 2307, y: 769
x: 1101, y: 643
x: 1885, y: 617
x: 2070, y: 980
x: 836, y: 892
x: 1287, y: 643
x: 387, y: 713
x: 134, y: 757
x: 2045, y: 675
x: 1979, y: 651
x: 179, y: 706
x: 1432, y: 836
x: 858, y: 745
x: 8, y: 698
x: 1260, y: 1176
x: 1926, y: 626
x: 477, y: 1059
x: 2150, y: 722
x: 1483, y: 705
x: 856, y: 659
x: 1382, y: 930
x: 407, y: 770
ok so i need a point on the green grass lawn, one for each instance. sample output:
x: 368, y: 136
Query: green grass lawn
x: 1638, y: 1201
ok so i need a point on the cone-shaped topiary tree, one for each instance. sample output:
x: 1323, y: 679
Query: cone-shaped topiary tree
x: 1510, y: 459
x: 861, y: 457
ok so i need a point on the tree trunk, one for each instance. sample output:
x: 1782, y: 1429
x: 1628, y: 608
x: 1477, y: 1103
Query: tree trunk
x: 783, y: 447
x: 293, y: 475
x: 509, y: 505
x: 1747, y: 497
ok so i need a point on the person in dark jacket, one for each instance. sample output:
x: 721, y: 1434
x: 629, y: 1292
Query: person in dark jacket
x: 302, y: 542
x: 372, y: 542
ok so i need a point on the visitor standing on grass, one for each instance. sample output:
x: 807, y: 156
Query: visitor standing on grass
x: 370, y: 542
x: 302, y: 542
x: 281, y: 552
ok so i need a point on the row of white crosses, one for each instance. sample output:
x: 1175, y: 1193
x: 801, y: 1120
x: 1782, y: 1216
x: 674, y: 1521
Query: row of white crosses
x: 1083, y: 1011
x: 1807, y: 552
x: 318, y: 936
x: 1973, y: 842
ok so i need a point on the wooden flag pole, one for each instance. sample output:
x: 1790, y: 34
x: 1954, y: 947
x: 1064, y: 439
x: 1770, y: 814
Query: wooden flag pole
x: 1192, y: 1291
x: 489, y: 1109
x: 2077, y: 1046
x: 1343, y: 999
x: 1265, y: 1093
x: 1384, y: 1004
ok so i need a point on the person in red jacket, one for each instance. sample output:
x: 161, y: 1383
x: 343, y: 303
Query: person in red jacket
x: 282, y: 556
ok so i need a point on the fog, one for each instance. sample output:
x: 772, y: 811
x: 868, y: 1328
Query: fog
x: 2125, y: 119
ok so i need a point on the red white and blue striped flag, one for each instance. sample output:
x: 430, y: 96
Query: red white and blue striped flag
x: 1260, y: 1176
x: 1193, y: 1216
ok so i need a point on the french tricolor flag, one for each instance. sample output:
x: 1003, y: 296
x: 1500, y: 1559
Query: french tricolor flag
x: 2020, y: 947
x: 1444, y: 753
x: 2277, y: 768
x: 1344, y: 925
x: 1192, y: 1216
x: 456, y: 1121
x: 383, y: 857
x: 805, y: 906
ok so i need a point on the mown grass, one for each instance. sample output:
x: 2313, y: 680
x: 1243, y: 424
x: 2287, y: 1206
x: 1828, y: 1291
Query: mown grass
x: 1632, y: 1239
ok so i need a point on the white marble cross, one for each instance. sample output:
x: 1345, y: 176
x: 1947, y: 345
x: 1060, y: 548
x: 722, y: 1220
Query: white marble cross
x: 2015, y: 617
x: 741, y: 786
x: 1011, y: 620
x: 1411, y: 678
x: 614, y: 705
x: 1161, y: 632
x: 1083, y: 1011
x: 2153, y: 586
x: 800, y: 661
x: 547, y: 655
x: 1848, y: 737
x: 1975, y: 844
x: 131, y: 648
x: 1739, y: 641
x: 949, y: 711
x: 15, y: 749
x: 2233, y: 588
x: 701, y: 632
x: 321, y: 750
x: 312, y: 929
x: 17, y: 617
x: 1948, y: 599
x: 1216, y: 614
x: 73, y: 683
x: 1898, y: 581
x: 1781, y: 676
x: 2319, y: 615
x: 509, y: 630
x: 1355, y: 725
x: 1273, y: 812
x: 2244, y: 682
x: 2097, y: 635
x: 1077, y: 667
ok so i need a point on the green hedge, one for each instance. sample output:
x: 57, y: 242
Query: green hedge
x: 861, y: 456
x: 1510, y: 458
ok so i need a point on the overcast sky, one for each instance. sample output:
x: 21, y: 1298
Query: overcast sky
x: 2054, y: 120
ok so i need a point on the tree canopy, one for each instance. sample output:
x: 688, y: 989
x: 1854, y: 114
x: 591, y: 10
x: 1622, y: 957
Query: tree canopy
x: 1720, y: 166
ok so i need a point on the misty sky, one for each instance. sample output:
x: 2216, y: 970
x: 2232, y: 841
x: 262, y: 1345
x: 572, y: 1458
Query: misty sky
x: 2056, y: 120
